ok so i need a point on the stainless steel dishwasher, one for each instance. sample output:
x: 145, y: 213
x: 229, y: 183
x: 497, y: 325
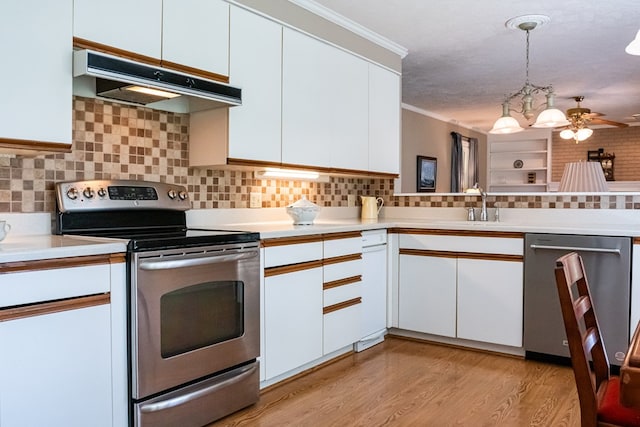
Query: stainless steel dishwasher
x: 607, y: 263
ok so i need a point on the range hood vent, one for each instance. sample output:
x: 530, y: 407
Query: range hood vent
x: 126, y: 80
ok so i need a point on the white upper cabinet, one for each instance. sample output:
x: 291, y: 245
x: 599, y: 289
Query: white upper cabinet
x: 183, y: 33
x: 349, y: 106
x: 255, y: 127
x: 134, y: 26
x: 36, y: 78
x: 196, y: 33
x: 384, y: 120
x: 307, y: 99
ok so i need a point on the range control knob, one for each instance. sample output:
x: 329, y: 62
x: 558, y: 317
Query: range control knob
x: 102, y: 192
x: 172, y: 194
x: 182, y: 195
x: 88, y: 193
x: 72, y: 193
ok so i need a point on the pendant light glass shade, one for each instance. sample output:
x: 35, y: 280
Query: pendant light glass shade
x: 551, y: 117
x: 506, y: 123
x: 633, y: 48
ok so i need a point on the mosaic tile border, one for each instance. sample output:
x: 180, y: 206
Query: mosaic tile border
x: 114, y: 141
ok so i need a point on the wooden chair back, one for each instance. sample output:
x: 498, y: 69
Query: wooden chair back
x: 583, y: 335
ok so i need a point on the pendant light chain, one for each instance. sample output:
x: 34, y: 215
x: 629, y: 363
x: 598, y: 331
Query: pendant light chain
x: 527, y: 62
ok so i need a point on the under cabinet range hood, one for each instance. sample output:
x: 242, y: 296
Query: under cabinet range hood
x: 133, y: 82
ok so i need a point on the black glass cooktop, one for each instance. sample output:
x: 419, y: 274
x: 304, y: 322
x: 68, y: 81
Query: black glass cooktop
x: 186, y: 238
x: 146, y: 229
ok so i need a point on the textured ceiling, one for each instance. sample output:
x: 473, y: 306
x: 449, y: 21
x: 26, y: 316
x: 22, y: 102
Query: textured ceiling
x: 462, y: 59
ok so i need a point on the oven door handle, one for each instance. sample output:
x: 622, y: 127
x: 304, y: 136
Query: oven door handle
x: 194, y: 262
x: 226, y: 380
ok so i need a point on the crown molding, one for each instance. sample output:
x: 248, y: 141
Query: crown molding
x: 441, y: 118
x: 336, y: 18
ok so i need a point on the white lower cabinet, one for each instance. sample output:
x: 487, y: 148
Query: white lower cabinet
x: 312, y: 299
x: 446, y: 288
x: 293, y: 324
x: 341, y: 327
x: 490, y: 301
x: 55, y: 369
x: 427, y: 295
x: 63, y: 339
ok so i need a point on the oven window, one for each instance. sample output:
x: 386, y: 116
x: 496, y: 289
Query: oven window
x: 200, y: 315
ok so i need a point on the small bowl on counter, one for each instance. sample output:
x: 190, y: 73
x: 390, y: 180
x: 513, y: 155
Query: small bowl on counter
x: 303, y: 212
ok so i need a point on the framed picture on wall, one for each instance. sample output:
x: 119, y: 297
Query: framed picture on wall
x: 427, y: 168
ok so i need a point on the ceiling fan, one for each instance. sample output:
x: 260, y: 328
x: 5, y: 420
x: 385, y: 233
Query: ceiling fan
x: 580, y: 117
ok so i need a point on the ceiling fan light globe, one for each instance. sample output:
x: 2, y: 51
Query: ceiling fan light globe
x: 567, y: 134
x: 505, y: 125
x: 550, y: 118
x: 583, y: 134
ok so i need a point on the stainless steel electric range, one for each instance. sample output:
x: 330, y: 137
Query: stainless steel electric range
x: 193, y: 300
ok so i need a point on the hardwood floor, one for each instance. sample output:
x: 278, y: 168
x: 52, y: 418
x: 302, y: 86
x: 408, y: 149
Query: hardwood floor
x: 408, y: 383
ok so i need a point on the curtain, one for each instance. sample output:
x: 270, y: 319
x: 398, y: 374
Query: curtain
x: 456, y: 162
x: 465, y: 163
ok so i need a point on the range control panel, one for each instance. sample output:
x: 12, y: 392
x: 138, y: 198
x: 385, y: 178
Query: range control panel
x: 120, y: 194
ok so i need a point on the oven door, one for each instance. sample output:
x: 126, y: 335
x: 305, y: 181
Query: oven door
x: 194, y: 312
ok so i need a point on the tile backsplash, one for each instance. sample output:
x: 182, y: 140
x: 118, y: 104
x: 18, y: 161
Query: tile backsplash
x: 115, y: 141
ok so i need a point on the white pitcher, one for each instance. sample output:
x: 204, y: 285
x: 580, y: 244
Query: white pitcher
x: 370, y: 208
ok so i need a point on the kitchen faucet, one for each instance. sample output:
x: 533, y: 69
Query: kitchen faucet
x: 483, y: 211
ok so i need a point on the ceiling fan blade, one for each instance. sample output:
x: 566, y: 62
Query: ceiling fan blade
x: 594, y: 114
x: 599, y: 121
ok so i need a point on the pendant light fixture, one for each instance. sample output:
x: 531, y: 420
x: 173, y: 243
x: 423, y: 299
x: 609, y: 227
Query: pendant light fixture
x: 550, y: 117
x: 633, y: 48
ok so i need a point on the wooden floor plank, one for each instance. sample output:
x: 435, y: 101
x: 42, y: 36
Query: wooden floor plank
x: 408, y: 383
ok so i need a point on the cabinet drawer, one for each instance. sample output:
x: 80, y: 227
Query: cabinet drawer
x: 342, y: 246
x: 27, y: 287
x: 342, y: 293
x: 341, y: 328
x: 342, y: 270
x: 292, y: 254
x: 488, y: 245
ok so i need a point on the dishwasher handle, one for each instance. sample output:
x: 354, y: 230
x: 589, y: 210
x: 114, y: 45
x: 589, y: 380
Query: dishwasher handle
x: 577, y: 248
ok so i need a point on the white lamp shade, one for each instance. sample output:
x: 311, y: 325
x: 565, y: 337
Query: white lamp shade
x: 550, y: 118
x: 506, y: 124
x: 583, y: 177
x: 633, y: 48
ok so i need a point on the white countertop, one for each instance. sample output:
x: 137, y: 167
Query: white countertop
x: 29, y: 238
x: 16, y: 248
x: 273, y: 225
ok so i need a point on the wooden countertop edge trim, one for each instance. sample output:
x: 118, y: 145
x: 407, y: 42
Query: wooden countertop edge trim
x: 341, y: 282
x: 42, y: 308
x: 466, y: 255
x: 294, y: 240
x: 310, y: 238
x: 53, y: 263
x: 341, y: 305
x: 448, y: 232
x: 292, y: 268
x: 343, y: 235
